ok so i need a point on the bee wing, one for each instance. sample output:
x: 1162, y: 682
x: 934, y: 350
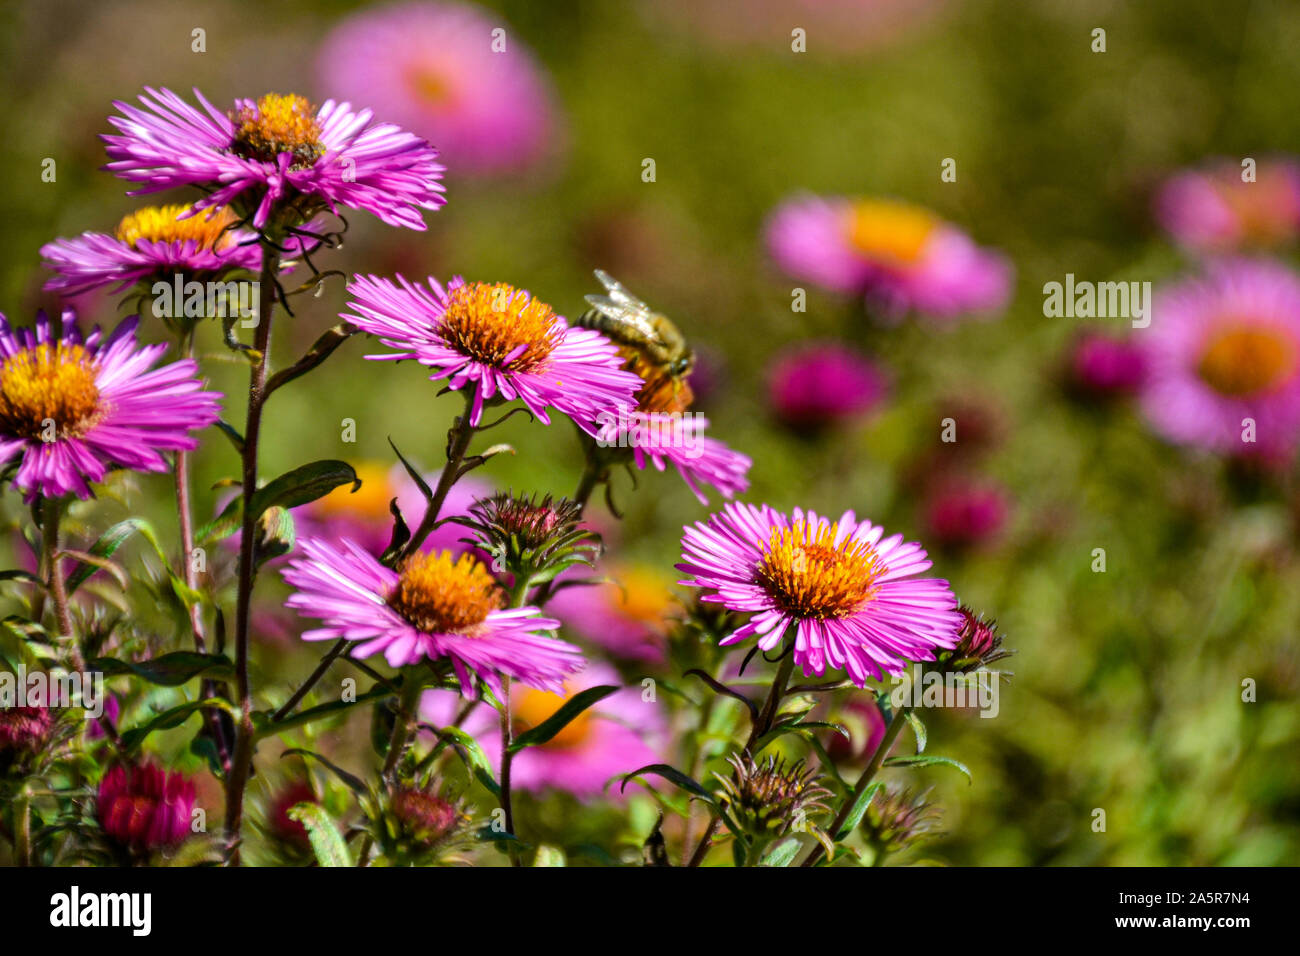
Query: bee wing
x: 618, y: 292
x: 635, y: 314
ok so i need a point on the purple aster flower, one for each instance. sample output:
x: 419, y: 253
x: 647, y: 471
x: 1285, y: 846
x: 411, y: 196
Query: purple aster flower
x: 440, y: 70
x: 1102, y: 366
x: 823, y: 383
x: 851, y: 597
x: 502, y: 340
x: 1213, y: 210
x: 145, y: 808
x: 676, y: 438
x: 71, y: 408
x: 901, y: 257
x: 148, y: 244
x: 433, y: 606
x: 1223, y: 353
x: 276, y: 151
x: 961, y: 513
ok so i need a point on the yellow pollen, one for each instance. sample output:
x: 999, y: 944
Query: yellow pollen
x: 531, y: 706
x: 499, y: 325
x: 159, y: 224
x: 278, y: 124
x: 1242, y: 362
x: 439, y: 594
x: 808, y: 576
x: 893, y: 232
x: 48, y: 391
x: 369, y: 502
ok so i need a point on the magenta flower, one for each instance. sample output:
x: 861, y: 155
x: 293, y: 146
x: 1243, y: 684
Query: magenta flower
x: 1102, y: 366
x: 677, y: 438
x: 502, y: 340
x: 617, y: 735
x: 624, y: 615
x: 276, y: 150
x: 72, y: 408
x: 819, y: 384
x: 433, y: 606
x: 150, y: 243
x: 439, y: 70
x: 850, y: 597
x: 145, y: 808
x: 901, y: 257
x: 964, y: 513
x: 1223, y: 352
x: 1212, y: 210
x: 866, y: 725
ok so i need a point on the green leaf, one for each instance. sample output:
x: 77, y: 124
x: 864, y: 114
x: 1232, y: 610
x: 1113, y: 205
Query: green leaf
x: 783, y: 853
x: 353, y: 782
x: 326, y: 841
x: 414, y: 473
x: 928, y: 760
x: 552, y: 725
x: 323, y: 348
x: 169, y: 670
x: 473, y: 756
x: 918, y: 728
x: 20, y: 575
x: 302, y: 485
x: 548, y: 855
x: 859, y: 808
x: 108, y: 543
x: 173, y: 717
x: 805, y: 728
x: 689, y: 784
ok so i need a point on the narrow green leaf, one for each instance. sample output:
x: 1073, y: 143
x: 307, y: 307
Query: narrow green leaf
x: 326, y: 841
x: 169, y: 670
x: 173, y: 717
x: 107, y: 545
x: 673, y: 775
x: 859, y: 808
x: 928, y: 760
x: 353, y: 782
x: 918, y: 728
x: 473, y: 756
x: 571, y: 708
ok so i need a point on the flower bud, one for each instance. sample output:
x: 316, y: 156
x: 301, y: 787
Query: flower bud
x: 144, y: 808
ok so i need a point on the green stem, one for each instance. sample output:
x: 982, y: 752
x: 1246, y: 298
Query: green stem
x: 462, y: 432
x: 51, y: 515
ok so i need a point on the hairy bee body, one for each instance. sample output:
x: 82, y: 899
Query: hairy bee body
x: 629, y: 322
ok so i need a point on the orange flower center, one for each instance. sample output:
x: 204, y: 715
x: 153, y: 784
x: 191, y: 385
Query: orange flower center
x: 499, y: 325
x: 430, y: 86
x: 1242, y: 362
x: 49, y: 391
x: 894, y: 233
x: 531, y: 706
x: 808, y: 576
x: 643, y: 597
x: 369, y: 502
x: 439, y: 594
x: 159, y: 224
x: 278, y: 124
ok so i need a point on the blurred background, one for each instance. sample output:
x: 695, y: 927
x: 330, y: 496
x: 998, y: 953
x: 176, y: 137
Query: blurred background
x: 1127, y: 694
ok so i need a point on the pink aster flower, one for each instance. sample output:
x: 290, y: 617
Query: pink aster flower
x: 627, y: 616
x: 822, y: 383
x: 276, y: 150
x: 433, y: 606
x: 1213, y: 210
x: 1223, y: 353
x: 145, y: 808
x: 440, y: 70
x: 615, y: 736
x: 661, y: 438
x: 500, y: 339
x: 901, y: 257
x: 850, y: 595
x: 963, y: 513
x: 1101, y: 366
x: 72, y: 408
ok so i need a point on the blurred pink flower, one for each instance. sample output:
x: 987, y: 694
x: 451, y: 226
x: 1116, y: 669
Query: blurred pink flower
x: 452, y: 73
x: 816, y: 384
x: 901, y: 257
x: 1102, y: 366
x: 625, y: 616
x: 861, y: 716
x: 617, y: 735
x: 1224, y: 356
x: 1211, y: 209
x: 961, y: 513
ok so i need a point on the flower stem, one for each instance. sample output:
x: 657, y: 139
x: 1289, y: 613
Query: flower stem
x: 507, y: 758
x: 241, y: 763
x: 592, y: 475
x: 878, y: 758
x: 51, y: 515
x: 462, y: 432
x: 761, y: 725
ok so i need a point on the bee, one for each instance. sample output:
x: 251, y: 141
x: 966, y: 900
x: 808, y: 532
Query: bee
x: 657, y: 348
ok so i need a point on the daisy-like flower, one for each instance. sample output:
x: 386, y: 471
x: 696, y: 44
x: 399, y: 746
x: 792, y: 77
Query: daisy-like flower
x: 277, y: 151
x: 439, y: 70
x: 1213, y: 210
x: 73, y: 407
x: 617, y: 735
x: 500, y: 340
x: 1223, y: 359
x: 150, y: 243
x: 433, y: 606
x: 850, y: 594
x: 901, y: 257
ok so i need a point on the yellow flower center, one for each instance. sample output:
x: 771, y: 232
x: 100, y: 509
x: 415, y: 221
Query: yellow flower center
x: 893, y: 232
x: 49, y: 391
x: 159, y: 224
x: 1242, y: 362
x: 278, y: 124
x: 643, y: 597
x: 439, y: 594
x: 808, y: 576
x: 430, y: 86
x: 499, y: 325
x: 369, y: 502
x: 531, y: 706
